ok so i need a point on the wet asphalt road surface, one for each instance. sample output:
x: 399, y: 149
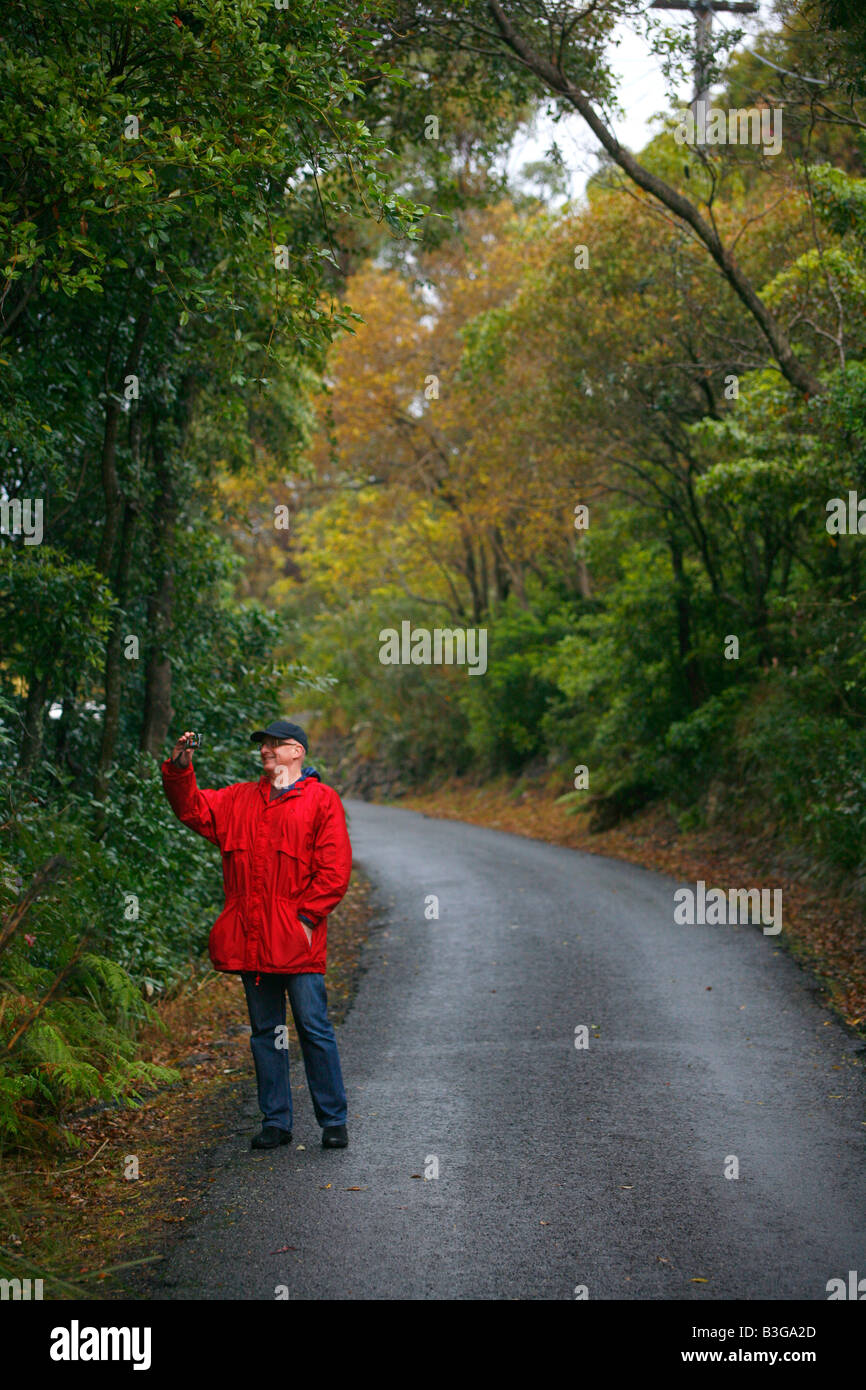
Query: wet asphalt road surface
x: 559, y: 1168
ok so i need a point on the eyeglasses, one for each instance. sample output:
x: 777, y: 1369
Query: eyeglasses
x: 277, y: 742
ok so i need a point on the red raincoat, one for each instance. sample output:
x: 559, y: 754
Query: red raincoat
x: 280, y: 858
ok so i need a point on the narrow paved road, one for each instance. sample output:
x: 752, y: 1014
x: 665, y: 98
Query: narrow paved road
x: 558, y: 1167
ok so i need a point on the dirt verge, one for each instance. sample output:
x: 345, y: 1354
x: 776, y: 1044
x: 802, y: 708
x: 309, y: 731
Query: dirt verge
x: 91, y: 1229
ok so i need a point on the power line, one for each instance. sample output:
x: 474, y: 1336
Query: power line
x: 818, y: 81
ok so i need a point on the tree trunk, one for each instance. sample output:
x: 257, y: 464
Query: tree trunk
x: 158, y: 712
x: 113, y: 413
x: 471, y: 572
x: 114, y: 658
x: 690, y: 669
x: 501, y: 576
x: 34, y: 710
x: 583, y: 580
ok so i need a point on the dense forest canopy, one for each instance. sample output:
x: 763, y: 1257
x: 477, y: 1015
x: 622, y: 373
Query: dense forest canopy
x: 287, y: 360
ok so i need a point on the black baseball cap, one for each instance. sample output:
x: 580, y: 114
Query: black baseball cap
x: 281, y: 728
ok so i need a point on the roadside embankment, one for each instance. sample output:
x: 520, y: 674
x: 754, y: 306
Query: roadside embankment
x: 90, y: 1227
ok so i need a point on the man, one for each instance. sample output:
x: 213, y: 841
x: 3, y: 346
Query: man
x: 286, y: 864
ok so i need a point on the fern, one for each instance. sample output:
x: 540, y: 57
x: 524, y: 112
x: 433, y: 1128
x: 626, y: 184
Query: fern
x: 72, y: 966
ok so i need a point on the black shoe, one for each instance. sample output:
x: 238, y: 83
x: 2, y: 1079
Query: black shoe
x: 335, y: 1137
x: 271, y: 1137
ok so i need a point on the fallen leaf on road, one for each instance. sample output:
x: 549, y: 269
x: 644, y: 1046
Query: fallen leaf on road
x: 700, y: 1281
x: 282, y: 1249
x: 354, y: 1189
x: 325, y: 1188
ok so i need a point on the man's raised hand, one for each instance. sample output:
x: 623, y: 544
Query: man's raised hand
x: 181, y: 754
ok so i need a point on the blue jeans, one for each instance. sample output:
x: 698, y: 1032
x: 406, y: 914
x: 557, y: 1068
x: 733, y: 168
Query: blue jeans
x: 308, y: 997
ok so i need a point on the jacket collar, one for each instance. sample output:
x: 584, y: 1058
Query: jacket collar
x: 265, y: 783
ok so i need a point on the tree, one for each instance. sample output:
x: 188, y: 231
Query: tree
x: 165, y: 192
x: 560, y: 52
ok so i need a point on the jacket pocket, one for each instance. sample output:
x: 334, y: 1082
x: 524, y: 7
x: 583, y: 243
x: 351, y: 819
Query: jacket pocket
x: 294, y: 861
x: 236, y: 865
x: 285, y: 943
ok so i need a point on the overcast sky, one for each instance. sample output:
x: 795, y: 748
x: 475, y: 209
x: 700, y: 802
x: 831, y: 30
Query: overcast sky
x: 641, y: 94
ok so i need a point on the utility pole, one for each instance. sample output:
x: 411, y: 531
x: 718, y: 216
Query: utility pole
x: 703, y: 10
